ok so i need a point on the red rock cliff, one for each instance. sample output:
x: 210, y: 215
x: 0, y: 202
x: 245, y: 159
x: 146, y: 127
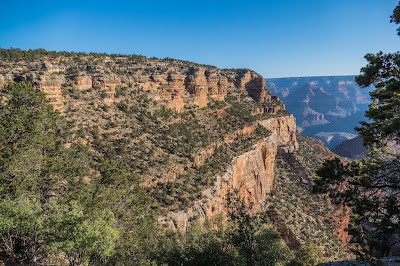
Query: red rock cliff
x: 251, y: 173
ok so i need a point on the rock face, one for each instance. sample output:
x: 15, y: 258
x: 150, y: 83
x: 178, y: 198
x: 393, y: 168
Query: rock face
x: 50, y: 84
x: 353, y: 148
x: 251, y: 173
x: 180, y: 86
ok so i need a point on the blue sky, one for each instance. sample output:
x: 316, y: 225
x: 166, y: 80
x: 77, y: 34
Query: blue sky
x: 276, y: 38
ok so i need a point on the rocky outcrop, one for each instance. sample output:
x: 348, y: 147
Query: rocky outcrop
x: 217, y: 86
x: 83, y: 82
x: 352, y: 148
x: 50, y: 84
x: 253, y: 84
x: 107, y: 84
x: 197, y: 86
x: 178, y: 87
x: 251, y: 173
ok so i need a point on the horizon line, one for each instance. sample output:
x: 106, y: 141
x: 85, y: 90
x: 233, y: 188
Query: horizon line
x: 316, y: 76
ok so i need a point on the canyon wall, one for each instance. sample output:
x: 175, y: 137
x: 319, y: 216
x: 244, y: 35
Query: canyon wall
x: 176, y: 88
x: 251, y: 174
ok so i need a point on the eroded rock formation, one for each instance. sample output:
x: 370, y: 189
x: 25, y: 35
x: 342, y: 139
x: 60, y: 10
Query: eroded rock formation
x: 251, y: 173
x: 175, y: 86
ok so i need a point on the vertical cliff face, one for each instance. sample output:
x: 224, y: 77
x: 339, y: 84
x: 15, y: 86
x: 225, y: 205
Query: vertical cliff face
x: 253, y: 84
x: 50, y: 84
x: 46, y: 82
x: 218, y: 86
x: 171, y: 89
x: 251, y: 173
x: 198, y: 85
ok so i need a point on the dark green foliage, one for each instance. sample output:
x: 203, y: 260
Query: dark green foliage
x: 118, y: 190
x: 80, y: 238
x: 238, y: 113
x: 30, y: 230
x: 396, y: 17
x: 370, y: 188
x: 14, y: 54
x: 48, y: 208
x: 120, y: 91
x: 308, y: 255
x: 258, y: 243
x: 33, y: 157
x: 21, y: 222
x: 72, y: 92
x: 246, y: 240
x: 261, y: 131
x: 206, y: 244
x: 382, y: 72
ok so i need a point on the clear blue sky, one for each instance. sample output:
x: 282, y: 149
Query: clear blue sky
x: 276, y: 38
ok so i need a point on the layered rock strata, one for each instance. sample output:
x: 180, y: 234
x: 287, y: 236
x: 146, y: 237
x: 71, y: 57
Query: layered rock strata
x: 179, y: 87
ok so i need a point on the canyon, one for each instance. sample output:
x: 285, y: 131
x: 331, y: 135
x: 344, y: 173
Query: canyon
x: 326, y: 108
x: 252, y: 172
x: 192, y: 133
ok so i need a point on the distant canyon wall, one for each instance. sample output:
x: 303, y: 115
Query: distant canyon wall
x: 326, y: 108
